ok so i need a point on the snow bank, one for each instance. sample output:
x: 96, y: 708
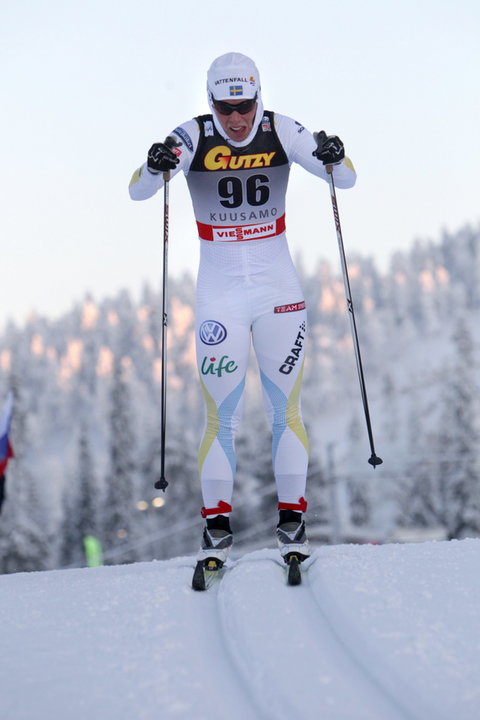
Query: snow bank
x: 377, y: 632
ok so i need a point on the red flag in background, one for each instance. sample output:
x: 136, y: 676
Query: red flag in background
x: 6, y: 450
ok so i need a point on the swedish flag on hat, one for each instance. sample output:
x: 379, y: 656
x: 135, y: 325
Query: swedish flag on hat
x: 233, y: 76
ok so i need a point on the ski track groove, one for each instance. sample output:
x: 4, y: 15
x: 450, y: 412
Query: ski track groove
x: 377, y: 691
x: 245, y: 666
x: 403, y: 698
x: 223, y: 641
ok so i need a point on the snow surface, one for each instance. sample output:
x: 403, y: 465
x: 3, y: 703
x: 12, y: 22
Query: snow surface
x: 378, y: 632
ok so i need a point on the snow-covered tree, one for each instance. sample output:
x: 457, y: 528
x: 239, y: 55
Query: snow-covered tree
x: 81, y: 505
x: 414, y: 489
x: 390, y: 409
x: 119, y: 509
x: 458, y: 469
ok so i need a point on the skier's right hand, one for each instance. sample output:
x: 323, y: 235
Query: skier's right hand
x: 330, y: 149
x: 161, y: 158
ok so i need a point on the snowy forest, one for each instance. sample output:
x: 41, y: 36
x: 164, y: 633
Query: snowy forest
x: 86, y: 422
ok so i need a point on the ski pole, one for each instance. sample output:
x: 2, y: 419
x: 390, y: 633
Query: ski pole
x: 162, y: 483
x: 374, y: 460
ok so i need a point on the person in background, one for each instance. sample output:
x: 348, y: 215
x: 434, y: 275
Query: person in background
x: 6, y: 450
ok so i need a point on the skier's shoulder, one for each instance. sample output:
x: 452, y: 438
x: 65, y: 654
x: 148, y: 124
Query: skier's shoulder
x: 187, y: 133
x: 291, y: 134
x: 199, y: 119
x: 287, y: 126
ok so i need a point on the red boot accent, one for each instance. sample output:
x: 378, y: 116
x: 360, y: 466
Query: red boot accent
x: 222, y: 507
x: 301, y: 506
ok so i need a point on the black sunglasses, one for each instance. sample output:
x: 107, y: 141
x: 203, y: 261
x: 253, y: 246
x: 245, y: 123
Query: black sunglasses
x: 225, y: 108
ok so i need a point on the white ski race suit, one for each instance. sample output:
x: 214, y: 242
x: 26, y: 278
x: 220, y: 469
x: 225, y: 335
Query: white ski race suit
x: 247, y: 288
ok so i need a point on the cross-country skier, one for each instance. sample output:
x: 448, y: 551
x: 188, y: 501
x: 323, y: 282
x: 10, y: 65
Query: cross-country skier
x: 236, y: 161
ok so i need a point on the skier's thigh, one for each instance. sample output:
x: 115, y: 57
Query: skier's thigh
x: 279, y: 341
x: 222, y: 347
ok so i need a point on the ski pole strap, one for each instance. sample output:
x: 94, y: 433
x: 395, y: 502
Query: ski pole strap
x: 301, y: 506
x: 222, y: 508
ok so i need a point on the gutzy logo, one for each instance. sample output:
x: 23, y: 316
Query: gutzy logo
x: 221, y: 158
x: 212, y: 332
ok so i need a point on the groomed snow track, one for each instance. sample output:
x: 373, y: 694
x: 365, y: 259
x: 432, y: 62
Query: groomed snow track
x: 386, y: 632
x: 309, y: 662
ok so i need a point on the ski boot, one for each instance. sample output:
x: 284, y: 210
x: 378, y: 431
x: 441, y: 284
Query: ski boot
x: 217, y: 540
x: 293, y: 543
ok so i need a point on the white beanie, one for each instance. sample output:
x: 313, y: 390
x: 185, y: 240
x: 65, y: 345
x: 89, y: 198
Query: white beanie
x: 233, y: 76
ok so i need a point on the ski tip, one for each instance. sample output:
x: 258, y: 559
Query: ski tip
x: 198, y: 580
x: 294, y: 575
x: 206, y: 572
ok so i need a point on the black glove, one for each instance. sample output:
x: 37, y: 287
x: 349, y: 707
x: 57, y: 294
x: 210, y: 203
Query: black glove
x: 161, y: 158
x: 330, y: 149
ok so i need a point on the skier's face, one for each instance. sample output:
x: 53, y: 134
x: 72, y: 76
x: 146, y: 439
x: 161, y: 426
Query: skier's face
x: 237, y: 125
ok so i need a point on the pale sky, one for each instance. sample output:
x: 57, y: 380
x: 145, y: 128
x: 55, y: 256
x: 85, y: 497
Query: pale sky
x: 88, y: 85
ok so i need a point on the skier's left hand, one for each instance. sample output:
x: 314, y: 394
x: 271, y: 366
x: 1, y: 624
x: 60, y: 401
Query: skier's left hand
x: 330, y: 149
